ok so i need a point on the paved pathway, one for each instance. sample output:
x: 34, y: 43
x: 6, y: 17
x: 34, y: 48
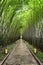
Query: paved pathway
x: 20, y: 56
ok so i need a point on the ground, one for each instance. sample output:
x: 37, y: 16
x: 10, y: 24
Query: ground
x: 20, y: 55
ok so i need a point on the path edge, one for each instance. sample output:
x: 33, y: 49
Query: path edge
x: 36, y: 58
x: 5, y: 58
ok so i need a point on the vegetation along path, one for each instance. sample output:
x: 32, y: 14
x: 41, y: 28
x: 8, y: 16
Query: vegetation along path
x: 20, y: 55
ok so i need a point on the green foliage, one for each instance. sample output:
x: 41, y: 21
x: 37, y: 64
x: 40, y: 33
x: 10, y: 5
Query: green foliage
x: 39, y: 54
x: 17, y: 15
x: 2, y: 51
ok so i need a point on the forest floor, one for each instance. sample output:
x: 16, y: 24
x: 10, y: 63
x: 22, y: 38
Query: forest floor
x: 2, y: 51
x: 39, y: 54
x: 20, y: 55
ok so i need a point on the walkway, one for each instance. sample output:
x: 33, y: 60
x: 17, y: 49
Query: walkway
x: 20, y: 55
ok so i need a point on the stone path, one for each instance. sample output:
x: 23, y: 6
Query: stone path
x: 20, y: 55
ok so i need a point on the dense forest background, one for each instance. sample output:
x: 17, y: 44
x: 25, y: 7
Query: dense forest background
x: 21, y: 17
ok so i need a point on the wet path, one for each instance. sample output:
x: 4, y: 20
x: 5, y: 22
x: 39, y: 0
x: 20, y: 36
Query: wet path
x: 20, y: 56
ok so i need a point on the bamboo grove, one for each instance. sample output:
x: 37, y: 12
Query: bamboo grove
x: 17, y: 16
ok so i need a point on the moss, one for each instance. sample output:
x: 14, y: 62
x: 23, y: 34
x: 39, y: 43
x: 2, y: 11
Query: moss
x: 39, y: 54
x: 2, y: 54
